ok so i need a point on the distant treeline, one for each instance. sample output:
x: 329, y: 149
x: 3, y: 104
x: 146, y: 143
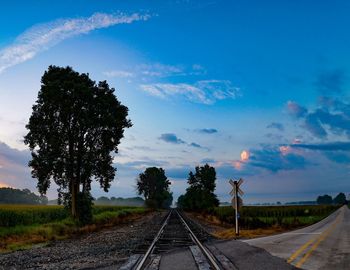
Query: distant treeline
x: 321, y: 200
x: 327, y: 199
x: 113, y: 201
x: 275, y: 204
x: 135, y: 201
x: 17, y: 196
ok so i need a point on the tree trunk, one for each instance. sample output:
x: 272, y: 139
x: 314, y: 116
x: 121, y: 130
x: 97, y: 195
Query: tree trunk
x: 74, y: 194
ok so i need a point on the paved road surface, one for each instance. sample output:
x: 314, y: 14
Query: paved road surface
x: 241, y: 255
x: 324, y: 245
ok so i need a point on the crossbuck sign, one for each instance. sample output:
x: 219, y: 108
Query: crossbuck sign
x: 234, y: 192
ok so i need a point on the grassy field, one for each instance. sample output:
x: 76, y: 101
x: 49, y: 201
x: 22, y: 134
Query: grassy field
x: 266, y: 220
x: 21, y: 226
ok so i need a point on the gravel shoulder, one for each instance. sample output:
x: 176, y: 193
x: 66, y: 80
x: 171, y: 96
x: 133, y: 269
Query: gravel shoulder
x: 109, y: 247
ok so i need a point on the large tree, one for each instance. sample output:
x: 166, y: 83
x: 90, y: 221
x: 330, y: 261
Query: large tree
x: 75, y: 126
x: 325, y: 199
x: 340, y: 199
x: 200, y: 193
x: 154, y: 186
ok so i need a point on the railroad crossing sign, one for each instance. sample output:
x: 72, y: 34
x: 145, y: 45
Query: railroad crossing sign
x: 235, y: 185
x: 234, y: 192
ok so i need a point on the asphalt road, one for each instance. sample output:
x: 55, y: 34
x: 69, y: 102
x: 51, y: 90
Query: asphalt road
x: 324, y: 245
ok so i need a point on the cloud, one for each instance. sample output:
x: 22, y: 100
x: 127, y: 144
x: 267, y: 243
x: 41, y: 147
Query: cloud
x: 138, y: 165
x: 14, y: 170
x: 160, y: 70
x: 274, y: 160
x: 204, y: 92
x: 208, y: 160
x: 118, y: 74
x: 295, y: 109
x: 313, y: 125
x: 149, y: 71
x: 332, y: 117
x: 207, y: 130
x: 335, y: 151
x: 195, y: 145
x: 278, y: 126
x: 245, y: 155
x: 333, y: 146
x: 171, y: 138
x: 330, y: 82
x: 43, y: 36
x: 13, y: 155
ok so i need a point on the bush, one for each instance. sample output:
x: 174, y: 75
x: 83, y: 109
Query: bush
x: 84, y: 202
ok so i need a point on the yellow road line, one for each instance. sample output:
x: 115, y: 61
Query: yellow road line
x: 309, y: 243
x: 301, y: 249
x: 321, y: 238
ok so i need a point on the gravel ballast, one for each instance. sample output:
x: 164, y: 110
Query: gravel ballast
x: 101, y: 249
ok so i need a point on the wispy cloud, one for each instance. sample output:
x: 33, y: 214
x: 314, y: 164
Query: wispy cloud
x: 207, y: 130
x: 171, y: 138
x: 205, y: 92
x: 119, y: 74
x: 43, y: 36
x: 160, y: 70
x: 150, y: 71
x: 195, y: 145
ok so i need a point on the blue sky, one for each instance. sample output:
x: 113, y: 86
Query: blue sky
x: 258, y: 89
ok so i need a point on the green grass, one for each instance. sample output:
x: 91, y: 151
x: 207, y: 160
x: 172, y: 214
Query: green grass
x: 21, y: 226
x: 254, y: 217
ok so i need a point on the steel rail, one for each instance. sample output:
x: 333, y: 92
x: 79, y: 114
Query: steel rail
x: 150, y: 249
x: 206, y: 252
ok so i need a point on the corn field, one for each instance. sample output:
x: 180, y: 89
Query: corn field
x: 253, y: 217
x: 14, y: 215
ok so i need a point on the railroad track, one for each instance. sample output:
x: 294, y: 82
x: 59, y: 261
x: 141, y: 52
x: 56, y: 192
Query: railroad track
x: 176, y: 232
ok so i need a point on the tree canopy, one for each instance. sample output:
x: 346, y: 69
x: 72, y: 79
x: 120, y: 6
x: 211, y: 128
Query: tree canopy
x: 75, y: 125
x: 200, y: 193
x: 325, y: 199
x: 340, y: 198
x: 154, y: 186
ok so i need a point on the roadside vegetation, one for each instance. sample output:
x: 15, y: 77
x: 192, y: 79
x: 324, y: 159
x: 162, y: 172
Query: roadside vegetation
x: 21, y: 226
x: 264, y: 220
x: 288, y: 217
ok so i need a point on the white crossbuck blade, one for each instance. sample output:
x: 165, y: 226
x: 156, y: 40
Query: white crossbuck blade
x: 232, y: 192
